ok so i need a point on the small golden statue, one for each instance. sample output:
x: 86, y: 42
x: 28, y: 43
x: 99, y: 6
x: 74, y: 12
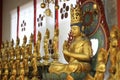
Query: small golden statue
x: 11, y: 53
x: 30, y: 45
x: 79, y: 53
x: 6, y: 72
x: 114, y: 52
x: 26, y: 66
x: 13, y: 72
x: 34, y: 64
x: 23, y: 47
x: 38, y: 47
x: 22, y: 72
x: 5, y: 77
x: 55, y: 43
x: 11, y: 49
x: 18, y: 49
x: 17, y: 54
x: 6, y: 52
x: 46, y: 44
x: 101, y: 64
x: 2, y: 50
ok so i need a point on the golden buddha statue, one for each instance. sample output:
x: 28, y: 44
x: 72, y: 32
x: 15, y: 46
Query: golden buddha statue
x: 26, y: 66
x: 101, y: 64
x: 5, y: 77
x: 11, y: 53
x: 46, y: 44
x: 79, y: 53
x: 24, y: 47
x: 11, y: 49
x: 114, y: 51
x: 22, y: 72
x: 1, y: 50
x: 25, y: 62
x: 6, y: 53
x: 102, y: 58
x: 30, y: 45
x: 34, y: 64
x: 38, y: 42
x: 37, y: 45
x: 17, y: 54
x: 34, y: 61
x: 18, y: 49
x: 55, y: 43
x: 13, y: 72
x: 6, y: 72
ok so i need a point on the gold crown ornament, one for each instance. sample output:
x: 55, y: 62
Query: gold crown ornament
x: 76, y: 14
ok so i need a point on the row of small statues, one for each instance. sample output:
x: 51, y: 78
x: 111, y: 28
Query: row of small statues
x: 15, y: 61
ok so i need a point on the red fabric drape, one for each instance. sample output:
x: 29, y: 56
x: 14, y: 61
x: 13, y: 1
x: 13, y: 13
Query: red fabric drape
x: 35, y: 7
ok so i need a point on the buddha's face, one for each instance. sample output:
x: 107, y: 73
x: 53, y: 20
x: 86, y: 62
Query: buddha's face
x: 75, y: 30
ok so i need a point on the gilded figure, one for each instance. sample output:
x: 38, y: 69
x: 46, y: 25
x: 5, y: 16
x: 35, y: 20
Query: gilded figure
x: 79, y: 53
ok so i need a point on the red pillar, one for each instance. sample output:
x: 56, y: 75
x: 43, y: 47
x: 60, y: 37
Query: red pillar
x: 18, y: 17
x: 1, y: 21
x: 118, y: 12
x: 35, y: 7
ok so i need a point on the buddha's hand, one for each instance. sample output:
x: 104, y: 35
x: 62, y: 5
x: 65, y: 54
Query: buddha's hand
x: 65, y: 51
x: 65, y: 45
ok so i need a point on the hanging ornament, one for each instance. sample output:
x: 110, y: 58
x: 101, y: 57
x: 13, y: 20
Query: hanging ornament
x: 57, y: 7
x: 43, y: 5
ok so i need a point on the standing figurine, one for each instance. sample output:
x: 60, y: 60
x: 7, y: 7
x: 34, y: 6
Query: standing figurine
x: 34, y: 64
x: 54, y: 45
x: 11, y: 53
x: 23, y: 47
x: 30, y: 45
x: 13, y: 74
x: 22, y: 72
x: 114, y: 54
x: 101, y: 64
x: 25, y: 62
x: 38, y: 48
x: 46, y: 51
x: 18, y: 55
x: 6, y: 72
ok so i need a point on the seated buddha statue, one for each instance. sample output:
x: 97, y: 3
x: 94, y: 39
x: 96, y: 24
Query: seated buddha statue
x: 79, y: 52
